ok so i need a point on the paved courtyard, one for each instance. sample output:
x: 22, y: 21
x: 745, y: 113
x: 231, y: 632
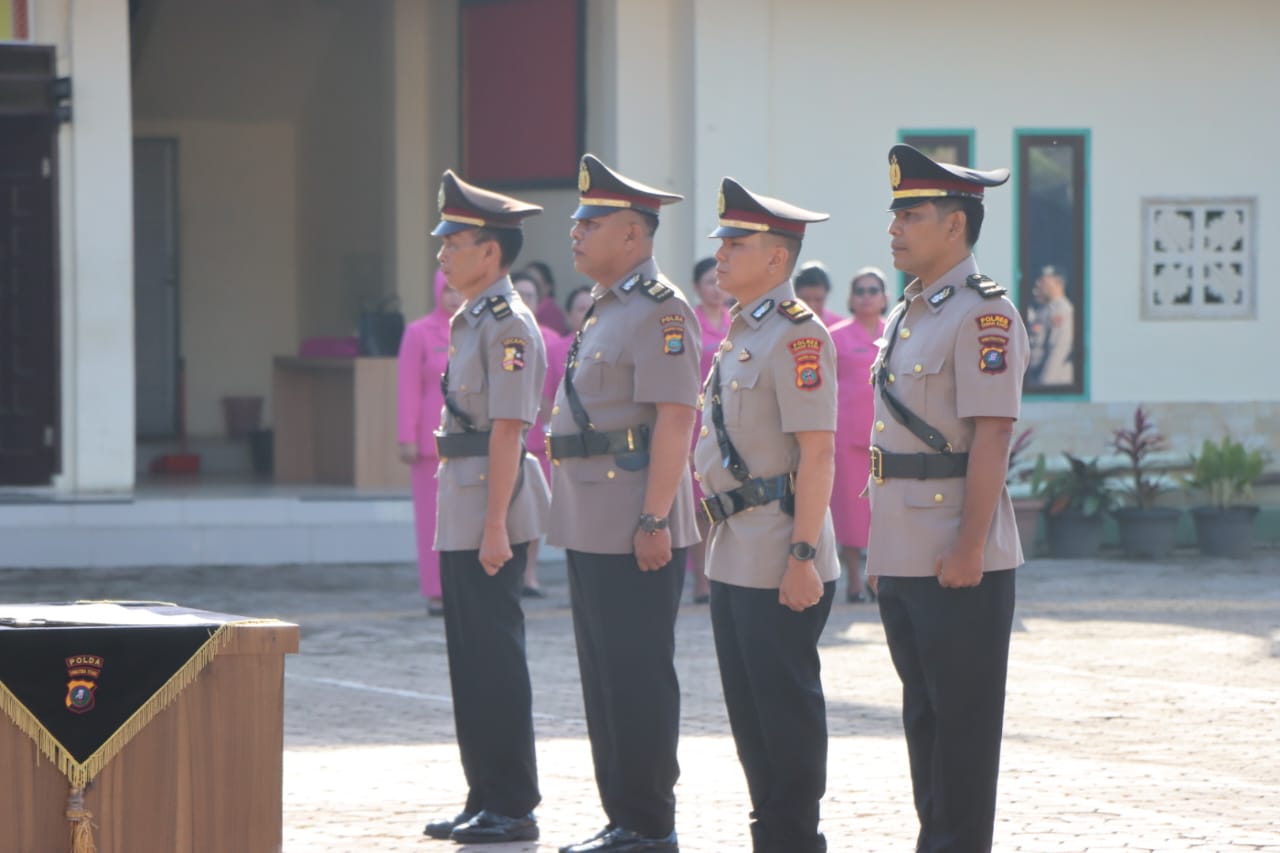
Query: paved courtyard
x: 1143, y: 712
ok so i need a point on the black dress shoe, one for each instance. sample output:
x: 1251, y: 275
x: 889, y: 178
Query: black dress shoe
x: 568, y: 848
x: 619, y: 840
x: 441, y: 828
x: 492, y: 828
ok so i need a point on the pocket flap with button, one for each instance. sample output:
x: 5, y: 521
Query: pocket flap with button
x: 597, y: 469
x: 466, y: 471
x: 745, y: 379
x: 929, y: 364
x: 926, y: 494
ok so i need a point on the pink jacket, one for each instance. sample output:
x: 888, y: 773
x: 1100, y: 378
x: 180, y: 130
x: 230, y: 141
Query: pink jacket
x: 855, y: 351
x: 424, y: 354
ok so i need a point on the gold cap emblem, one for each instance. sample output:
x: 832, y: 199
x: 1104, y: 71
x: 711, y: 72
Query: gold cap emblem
x: 584, y: 178
x: 895, y: 172
x: 440, y: 199
x: 720, y: 202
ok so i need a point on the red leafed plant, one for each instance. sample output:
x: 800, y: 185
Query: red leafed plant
x: 1138, y: 442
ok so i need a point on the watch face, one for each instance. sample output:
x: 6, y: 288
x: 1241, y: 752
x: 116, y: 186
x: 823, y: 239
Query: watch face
x: 803, y: 551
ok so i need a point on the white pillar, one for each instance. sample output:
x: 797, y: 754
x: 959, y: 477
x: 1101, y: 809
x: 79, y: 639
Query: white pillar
x: 96, y: 242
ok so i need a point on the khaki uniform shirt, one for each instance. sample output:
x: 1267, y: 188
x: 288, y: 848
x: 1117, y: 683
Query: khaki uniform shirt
x: 777, y: 378
x: 636, y: 352
x: 496, y: 368
x: 958, y: 356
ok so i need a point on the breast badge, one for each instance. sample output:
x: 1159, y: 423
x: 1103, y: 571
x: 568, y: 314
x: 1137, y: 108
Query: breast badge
x: 673, y: 334
x: 992, y: 358
x: 513, y: 354
x: 807, y: 352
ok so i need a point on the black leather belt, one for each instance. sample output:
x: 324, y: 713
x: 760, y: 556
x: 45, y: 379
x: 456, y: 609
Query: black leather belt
x: 457, y: 445
x: 917, y: 466
x: 598, y: 443
x: 753, y: 493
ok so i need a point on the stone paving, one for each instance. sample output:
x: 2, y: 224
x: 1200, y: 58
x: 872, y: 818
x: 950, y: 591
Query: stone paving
x: 1143, y: 711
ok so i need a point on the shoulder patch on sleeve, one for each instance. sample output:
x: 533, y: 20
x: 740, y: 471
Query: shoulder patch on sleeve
x: 673, y: 334
x: 985, y: 286
x: 657, y: 291
x: 807, y: 354
x: 794, y: 310
x: 499, y: 307
x: 513, y: 354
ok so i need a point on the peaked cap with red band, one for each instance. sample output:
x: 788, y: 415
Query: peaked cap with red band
x: 743, y: 213
x: 603, y: 191
x: 915, y: 179
x: 464, y: 205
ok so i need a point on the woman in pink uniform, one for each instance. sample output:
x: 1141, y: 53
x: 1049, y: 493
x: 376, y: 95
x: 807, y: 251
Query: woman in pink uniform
x: 557, y: 347
x: 855, y: 343
x: 713, y: 317
x: 424, y: 354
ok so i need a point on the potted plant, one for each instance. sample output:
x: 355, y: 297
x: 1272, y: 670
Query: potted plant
x: 1225, y: 472
x: 1026, y: 510
x: 1146, y: 530
x: 1076, y: 500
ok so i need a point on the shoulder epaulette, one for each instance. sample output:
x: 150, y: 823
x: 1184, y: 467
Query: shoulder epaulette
x: 657, y: 291
x: 794, y: 310
x: 985, y: 286
x: 498, y: 307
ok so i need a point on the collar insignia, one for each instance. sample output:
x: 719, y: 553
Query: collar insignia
x: 942, y: 296
x: 762, y: 310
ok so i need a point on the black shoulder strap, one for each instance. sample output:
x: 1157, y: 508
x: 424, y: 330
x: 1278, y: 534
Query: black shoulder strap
x: 729, y: 455
x: 580, y: 416
x: 499, y: 307
x: 454, y: 409
x: 909, y: 419
x: 657, y: 291
x: 985, y: 286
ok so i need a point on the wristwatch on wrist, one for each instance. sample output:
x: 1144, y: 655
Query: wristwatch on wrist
x: 803, y: 551
x: 651, y: 524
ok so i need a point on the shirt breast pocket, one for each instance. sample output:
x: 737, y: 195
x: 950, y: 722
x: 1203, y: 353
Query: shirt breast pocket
x: 602, y: 368
x: 741, y: 399
x: 467, y: 386
x: 926, y: 386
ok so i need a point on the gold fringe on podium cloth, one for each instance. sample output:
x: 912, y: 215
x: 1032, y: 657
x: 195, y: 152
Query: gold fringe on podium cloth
x: 81, y: 823
x: 79, y: 774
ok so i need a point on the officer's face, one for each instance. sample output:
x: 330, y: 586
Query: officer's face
x: 743, y: 264
x: 464, y: 262
x: 920, y: 236
x: 598, y: 242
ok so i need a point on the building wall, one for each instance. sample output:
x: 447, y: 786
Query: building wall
x: 238, y: 261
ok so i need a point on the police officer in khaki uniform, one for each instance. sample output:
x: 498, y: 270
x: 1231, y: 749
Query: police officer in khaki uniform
x: 765, y: 457
x: 623, y: 502
x: 943, y: 542
x: 493, y: 502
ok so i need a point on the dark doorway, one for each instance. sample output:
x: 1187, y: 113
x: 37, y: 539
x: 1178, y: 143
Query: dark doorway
x: 28, y: 276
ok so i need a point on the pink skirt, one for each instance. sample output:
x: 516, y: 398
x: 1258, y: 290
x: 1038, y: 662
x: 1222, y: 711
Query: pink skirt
x: 851, y: 514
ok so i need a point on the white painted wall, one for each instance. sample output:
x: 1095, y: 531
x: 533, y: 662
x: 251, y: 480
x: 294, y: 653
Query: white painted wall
x: 238, y: 258
x: 95, y: 232
x: 803, y: 98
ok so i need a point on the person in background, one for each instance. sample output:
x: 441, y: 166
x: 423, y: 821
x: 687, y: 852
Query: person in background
x: 713, y: 318
x: 855, y: 341
x: 557, y: 345
x: 424, y: 352
x: 548, y: 310
x: 576, y: 306
x: 1052, y: 331
x: 813, y: 286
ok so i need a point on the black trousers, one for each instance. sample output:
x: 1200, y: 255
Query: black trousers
x: 951, y: 650
x: 492, y: 699
x: 772, y: 680
x: 624, y: 623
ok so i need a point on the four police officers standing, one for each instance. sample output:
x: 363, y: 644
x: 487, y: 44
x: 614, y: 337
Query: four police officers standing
x: 942, y: 544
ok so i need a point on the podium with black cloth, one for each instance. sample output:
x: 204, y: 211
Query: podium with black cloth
x: 140, y: 726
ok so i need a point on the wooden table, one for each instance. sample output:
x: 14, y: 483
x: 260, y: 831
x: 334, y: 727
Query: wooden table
x: 205, y: 775
x: 335, y: 422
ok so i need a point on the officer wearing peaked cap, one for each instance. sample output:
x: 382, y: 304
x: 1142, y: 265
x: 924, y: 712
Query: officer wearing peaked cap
x: 493, y: 501
x: 765, y: 458
x: 943, y: 543
x: 623, y: 502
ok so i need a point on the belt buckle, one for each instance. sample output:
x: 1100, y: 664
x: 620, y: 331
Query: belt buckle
x: 631, y: 440
x: 706, y: 508
x: 877, y: 465
x: 546, y: 441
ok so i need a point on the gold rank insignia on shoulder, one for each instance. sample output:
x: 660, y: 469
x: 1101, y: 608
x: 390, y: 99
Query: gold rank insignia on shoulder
x: 762, y: 310
x: 657, y: 291
x: 498, y: 307
x: 985, y: 286
x: 942, y: 296
x: 794, y: 310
